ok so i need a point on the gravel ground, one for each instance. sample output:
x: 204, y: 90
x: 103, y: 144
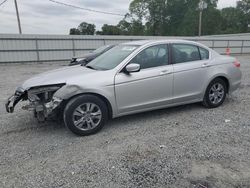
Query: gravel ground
x: 185, y: 146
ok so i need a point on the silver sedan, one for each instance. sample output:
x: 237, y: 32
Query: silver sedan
x: 130, y: 78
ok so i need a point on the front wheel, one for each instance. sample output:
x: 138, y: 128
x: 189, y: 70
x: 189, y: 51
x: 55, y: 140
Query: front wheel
x: 215, y: 93
x: 85, y: 115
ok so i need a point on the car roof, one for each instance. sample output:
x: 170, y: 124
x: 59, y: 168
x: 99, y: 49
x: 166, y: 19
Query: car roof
x: 138, y: 42
x: 144, y: 42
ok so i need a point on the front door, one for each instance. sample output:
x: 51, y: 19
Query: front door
x: 149, y: 88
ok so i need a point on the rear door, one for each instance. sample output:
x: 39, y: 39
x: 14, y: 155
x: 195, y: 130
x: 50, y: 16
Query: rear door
x: 190, y: 65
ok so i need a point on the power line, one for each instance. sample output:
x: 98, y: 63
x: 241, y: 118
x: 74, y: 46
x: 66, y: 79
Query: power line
x: 86, y: 9
x: 18, y: 18
x: 3, y: 2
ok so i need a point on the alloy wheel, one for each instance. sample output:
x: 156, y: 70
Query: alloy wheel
x: 87, y: 116
x: 216, y: 93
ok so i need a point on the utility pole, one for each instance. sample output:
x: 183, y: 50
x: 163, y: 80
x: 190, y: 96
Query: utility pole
x: 18, y: 18
x: 200, y: 22
x: 202, y: 6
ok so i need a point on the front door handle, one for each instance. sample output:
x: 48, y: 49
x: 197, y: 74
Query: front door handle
x: 165, y: 72
x: 205, y: 65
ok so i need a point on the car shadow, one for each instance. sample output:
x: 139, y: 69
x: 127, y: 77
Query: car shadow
x: 59, y: 127
x: 151, y: 115
x: 165, y: 112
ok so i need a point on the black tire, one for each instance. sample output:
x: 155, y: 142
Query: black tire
x: 207, y: 102
x: 74, y: 103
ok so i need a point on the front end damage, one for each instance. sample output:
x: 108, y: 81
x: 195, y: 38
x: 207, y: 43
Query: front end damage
x: 41, y: 100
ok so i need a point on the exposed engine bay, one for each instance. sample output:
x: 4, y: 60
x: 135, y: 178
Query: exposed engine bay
x: 41, y: 100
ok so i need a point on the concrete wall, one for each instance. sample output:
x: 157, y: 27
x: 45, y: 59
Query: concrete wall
x: 40, y: 48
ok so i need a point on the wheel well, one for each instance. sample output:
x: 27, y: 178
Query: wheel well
x: 110, y: 111
x: 225, y: 80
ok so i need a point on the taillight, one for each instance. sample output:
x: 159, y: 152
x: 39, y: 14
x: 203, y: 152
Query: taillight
x: 236, y: 63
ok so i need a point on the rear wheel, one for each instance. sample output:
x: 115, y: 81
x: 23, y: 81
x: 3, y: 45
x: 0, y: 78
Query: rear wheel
x: 85, y: 115
x: 215, y: 93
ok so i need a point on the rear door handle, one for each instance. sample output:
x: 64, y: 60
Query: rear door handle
x: 165, y: 72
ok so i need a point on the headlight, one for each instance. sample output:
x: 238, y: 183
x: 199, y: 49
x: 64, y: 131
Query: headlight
x: 44, y: 93
x: 46, y: 88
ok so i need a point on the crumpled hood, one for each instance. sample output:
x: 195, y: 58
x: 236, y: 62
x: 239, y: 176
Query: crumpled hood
x: 57, y: 76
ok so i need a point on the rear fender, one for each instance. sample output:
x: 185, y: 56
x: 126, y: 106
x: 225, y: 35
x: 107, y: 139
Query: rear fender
x: 212, y: 78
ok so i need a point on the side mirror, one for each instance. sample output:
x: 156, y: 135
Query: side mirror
x: 133, y: 67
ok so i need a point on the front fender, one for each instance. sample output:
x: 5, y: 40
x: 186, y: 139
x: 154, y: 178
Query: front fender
x: 68, y: 91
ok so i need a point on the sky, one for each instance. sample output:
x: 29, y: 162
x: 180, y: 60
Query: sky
x: 45, y: 17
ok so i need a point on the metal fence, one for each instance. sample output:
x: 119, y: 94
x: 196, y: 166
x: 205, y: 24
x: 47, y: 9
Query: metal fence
x: 41, y: 48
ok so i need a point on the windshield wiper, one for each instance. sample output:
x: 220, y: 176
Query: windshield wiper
x: 90, y: 67
x: 95, y: 68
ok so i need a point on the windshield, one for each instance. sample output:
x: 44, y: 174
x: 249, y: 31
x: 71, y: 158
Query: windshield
x: 112, y: 58
x: 99, y: 50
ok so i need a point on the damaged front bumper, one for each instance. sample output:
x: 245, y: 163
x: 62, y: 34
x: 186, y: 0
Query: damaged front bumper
x: 20, y: 94
x: 41, y: 101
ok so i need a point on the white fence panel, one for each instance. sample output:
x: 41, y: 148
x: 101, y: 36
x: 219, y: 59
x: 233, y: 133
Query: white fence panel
x: 30, y: 48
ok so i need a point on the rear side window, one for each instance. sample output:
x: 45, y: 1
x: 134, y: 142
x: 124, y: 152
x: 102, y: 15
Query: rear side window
x: 185, y: 53
x: 204, y: 53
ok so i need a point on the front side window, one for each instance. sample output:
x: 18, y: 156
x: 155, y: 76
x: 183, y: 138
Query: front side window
x: 153, y: 56
x: 185, y: 53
